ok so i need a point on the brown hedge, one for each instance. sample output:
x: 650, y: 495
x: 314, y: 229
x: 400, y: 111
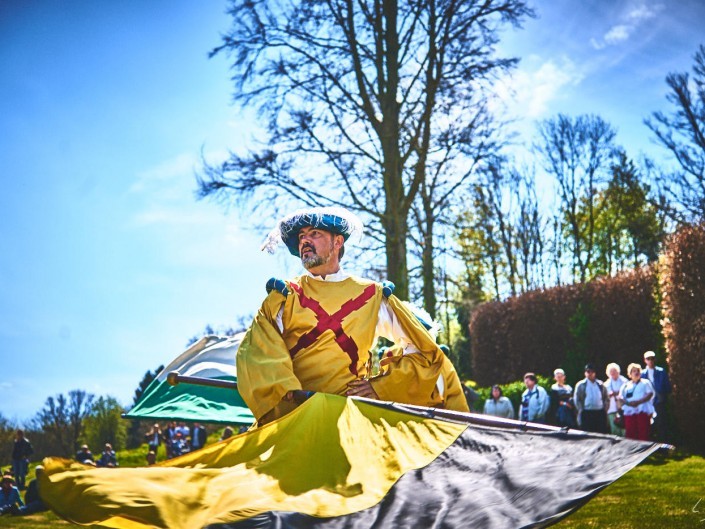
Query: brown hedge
x: 682, y: 275
x: 608, y: 320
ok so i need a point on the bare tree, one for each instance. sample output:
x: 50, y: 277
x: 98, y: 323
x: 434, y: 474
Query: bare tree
x: 683, y: 133
x: 577, y: 153
x: 356, y: 97
x: 62, y: 419
x: 504, y: 229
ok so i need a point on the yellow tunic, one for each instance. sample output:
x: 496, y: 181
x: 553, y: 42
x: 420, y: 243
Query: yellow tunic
x: 267, y: 369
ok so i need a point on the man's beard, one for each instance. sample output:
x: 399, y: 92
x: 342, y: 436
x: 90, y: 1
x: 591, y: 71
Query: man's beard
x: 312, y: 260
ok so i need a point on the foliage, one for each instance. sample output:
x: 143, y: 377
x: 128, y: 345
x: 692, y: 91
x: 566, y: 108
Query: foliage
x: 628, y: 226
x: 385, y: 101
x: 577, y: 354
x: 682, y: 132
x: 105, y: 425
x: 577, y: 153
x: 500, y: 230
x: 7, y: 437
x: 532, y: 332
x: 682, y: 268
x: 62, y: 421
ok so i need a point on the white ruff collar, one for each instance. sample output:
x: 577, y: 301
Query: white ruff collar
x: 340, y: 275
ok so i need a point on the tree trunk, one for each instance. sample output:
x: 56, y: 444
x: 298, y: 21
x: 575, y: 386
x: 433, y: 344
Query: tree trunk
x: 396, y: 226
x: 429, y: 276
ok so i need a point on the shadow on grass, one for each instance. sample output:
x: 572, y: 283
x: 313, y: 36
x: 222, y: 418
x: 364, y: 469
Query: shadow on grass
x: 664, y: 456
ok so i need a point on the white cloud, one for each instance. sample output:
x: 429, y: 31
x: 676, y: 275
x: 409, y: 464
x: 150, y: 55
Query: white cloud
x: 529, y: 93
x: 627, y: 25
x: 618, y: 34
x: 644, y: 12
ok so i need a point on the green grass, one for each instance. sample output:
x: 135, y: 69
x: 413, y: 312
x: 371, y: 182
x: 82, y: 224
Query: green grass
x: 658, y: 494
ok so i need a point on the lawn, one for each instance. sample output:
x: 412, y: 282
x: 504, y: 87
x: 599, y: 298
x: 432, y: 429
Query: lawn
x: 661, y: 493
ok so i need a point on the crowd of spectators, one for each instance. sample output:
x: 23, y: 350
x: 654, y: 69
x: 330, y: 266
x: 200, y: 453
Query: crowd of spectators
x: 11, y: 501
x: 633, y: 407
x: 177, y: 439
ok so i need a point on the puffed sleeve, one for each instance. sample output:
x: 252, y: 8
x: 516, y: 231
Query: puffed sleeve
x: 265, y: 371
x: 410, y: 377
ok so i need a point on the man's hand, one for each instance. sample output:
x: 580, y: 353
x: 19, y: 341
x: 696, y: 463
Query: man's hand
x: 361, y: 388
x: 297, y: 396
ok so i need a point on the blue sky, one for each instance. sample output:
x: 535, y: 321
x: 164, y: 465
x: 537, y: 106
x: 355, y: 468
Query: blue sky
x: 107, y: 262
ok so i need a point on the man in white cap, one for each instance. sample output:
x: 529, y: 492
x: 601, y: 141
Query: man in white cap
x: 315, y: 332
x: 658, y: 377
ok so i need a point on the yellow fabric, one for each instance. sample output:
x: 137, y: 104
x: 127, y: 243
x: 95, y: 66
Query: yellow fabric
x: 452, y: 397
x: 411, y: 378
x: 333, y: 456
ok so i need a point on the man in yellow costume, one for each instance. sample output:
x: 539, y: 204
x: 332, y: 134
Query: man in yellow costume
x: 314, y: 333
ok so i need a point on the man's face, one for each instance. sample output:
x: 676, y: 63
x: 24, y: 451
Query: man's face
x: 590, y: 375
x: 529, y: 383
x: 316, y: 246
x: 560, y: 378
x: 650, y: 361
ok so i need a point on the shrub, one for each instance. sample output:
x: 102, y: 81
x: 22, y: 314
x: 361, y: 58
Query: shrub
x: 682, y: 270
x: 607, y: 320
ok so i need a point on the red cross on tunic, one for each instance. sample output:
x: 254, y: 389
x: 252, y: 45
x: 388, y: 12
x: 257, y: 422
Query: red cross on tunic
x: 332, y: 322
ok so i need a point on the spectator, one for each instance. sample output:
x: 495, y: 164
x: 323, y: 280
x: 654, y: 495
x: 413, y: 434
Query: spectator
x: 637, y: 398
x: 178, y: 445
x: 534, y: 401
x: 9, y: 495
x: 154, y: 438
x: 498, y: 405
x: 227, y: 433
x: 33, y: 503
x: 614, y: 383
x: 108, y: 457
x: 562, y: 400
x: 658, y: 377
x: 183, y: 430
x: 151, y: 458
x: 198, y: 436
x: 21, y: 451
x: 169, y: 437
x: 84, y: 454
x: 592, y: 401
x: 471, y: 396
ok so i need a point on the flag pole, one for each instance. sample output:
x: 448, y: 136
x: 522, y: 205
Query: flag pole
x: 174, y: 378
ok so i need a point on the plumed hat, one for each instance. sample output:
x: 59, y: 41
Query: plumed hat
x: 334, y: 219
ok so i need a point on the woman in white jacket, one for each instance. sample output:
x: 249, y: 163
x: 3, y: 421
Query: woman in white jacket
x: 637, y: 397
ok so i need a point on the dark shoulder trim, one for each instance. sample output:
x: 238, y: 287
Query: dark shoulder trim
x: 279, y: 285
x: 388, y: 288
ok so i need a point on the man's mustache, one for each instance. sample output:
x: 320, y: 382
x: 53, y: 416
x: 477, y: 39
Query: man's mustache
x: 308, y: 247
